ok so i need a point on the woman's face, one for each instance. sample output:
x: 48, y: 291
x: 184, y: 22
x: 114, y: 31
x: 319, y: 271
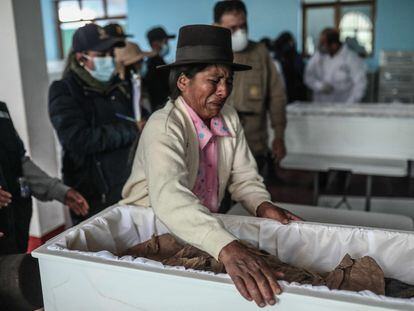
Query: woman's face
x: 207, y: 91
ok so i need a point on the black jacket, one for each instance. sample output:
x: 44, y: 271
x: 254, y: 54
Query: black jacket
x: 156, y: 83
x: 15, y: 218
x: 96, y: 143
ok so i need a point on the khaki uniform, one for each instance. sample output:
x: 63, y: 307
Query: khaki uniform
x: 257, y: 92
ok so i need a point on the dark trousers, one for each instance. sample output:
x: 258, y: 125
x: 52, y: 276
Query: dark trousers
x: 16, y: 222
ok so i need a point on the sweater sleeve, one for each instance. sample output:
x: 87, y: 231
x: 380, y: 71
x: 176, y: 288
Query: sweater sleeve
x: 172, y: 200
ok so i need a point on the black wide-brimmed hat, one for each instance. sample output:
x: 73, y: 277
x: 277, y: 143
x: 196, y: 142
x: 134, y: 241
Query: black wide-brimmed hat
x: 205, y: 44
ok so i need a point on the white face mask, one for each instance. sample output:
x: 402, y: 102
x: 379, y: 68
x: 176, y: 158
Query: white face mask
x: 239, y: 40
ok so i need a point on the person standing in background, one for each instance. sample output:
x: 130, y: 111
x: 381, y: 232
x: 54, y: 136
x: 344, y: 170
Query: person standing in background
x: 91, y: 110
x: 20, y: 178
x: 292, y: 67
x: 155, y: 81
x: 258, y: 92
x: 130, y: 63
x: 335, y: 74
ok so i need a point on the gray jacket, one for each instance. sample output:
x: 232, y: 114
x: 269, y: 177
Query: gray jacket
x: 42, y: 186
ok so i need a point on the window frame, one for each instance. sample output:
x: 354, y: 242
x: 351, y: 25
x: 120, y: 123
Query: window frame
x: 59, y: 23
x: 337, y: 6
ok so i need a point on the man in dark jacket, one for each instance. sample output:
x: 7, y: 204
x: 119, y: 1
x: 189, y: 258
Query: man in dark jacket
x: 91, y: 111
x: 156, y: 81
x: 293, y: 67
x: 20, y: 178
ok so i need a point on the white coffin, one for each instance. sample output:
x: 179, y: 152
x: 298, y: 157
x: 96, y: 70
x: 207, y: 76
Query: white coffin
x: 89, y: 277
x: 373, y: 131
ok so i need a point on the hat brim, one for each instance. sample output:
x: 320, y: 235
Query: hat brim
x: 137, y: 58
x: 125, y: 35
x: 109, y: 43
x: 233, y: 66
x: 162, y: 38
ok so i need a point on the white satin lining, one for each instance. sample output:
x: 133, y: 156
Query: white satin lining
x: 314, y: 246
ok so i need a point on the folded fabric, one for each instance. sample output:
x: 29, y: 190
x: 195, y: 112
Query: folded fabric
x: 350, y: 274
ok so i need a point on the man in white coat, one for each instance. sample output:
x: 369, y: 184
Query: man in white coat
x: 335, y: 73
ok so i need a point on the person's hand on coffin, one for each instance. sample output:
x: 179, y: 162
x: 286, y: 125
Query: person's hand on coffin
x: 5, y: 198
x: 76, y: 202
x: 251, y: 275
x: 271, y: 211
x: 1, y: 234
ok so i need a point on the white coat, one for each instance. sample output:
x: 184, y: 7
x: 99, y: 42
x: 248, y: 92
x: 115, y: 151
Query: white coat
x: 336, y: 79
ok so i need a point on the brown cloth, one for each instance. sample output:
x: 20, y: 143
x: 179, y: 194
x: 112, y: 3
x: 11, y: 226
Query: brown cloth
x: 351, y: 274
x: 357, y: 275
x: 166, y: 249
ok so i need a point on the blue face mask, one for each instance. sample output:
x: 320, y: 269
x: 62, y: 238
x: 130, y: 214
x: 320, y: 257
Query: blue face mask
x: 165, y: 50
x: 104, y: 68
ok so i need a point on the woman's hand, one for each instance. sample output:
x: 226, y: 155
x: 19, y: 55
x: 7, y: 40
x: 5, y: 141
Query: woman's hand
x: 76, y: 202
x: 251, y: 275
x: 5, y: 198
x: 268, y: 210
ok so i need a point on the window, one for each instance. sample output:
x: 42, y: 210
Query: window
x: 72, y: 14
x: 359, y: 26
x: 354, y: 19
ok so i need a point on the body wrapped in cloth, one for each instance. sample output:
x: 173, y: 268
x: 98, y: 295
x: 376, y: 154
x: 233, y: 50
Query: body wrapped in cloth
x: 350, y: 274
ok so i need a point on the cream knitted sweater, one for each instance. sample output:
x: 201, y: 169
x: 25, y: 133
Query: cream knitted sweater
x: 165, y: 170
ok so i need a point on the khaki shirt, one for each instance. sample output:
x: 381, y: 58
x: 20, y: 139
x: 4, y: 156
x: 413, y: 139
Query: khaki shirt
x: 257, y: 92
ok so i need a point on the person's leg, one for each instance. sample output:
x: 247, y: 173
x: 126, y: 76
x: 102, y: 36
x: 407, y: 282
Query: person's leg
x: 22, y: 216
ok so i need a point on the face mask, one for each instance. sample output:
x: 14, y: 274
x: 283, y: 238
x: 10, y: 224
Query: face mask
x: 104, y: 67
x: 165, y: 50
x: 239, y: 40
